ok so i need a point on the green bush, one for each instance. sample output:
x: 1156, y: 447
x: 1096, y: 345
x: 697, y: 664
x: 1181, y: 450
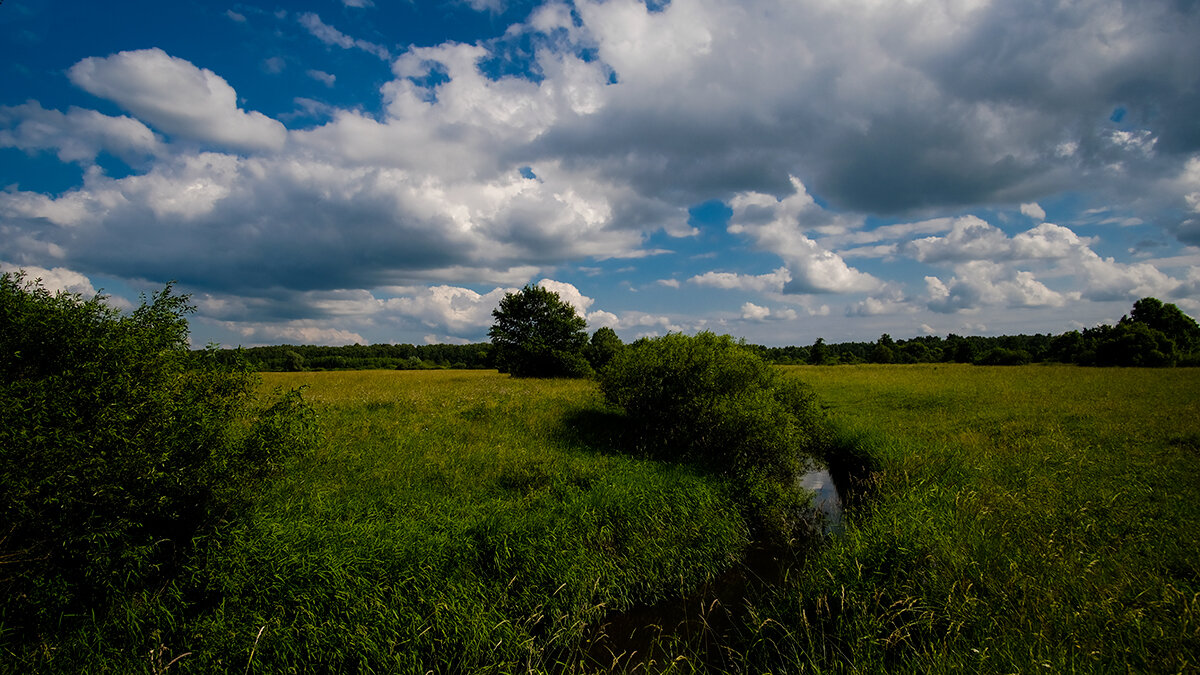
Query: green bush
x: 709, y: 401
x: 118, y: 447
x: 1001, y: 356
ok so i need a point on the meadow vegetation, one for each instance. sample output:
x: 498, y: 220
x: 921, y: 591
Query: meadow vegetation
x: 119, y: 450
x: 999, y: 519
x: 1042, y: 518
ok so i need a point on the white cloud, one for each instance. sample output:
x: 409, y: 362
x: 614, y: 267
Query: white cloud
x: 54, y: 279
x: 178, y: 98
x: 891, y: 232
x: 754, y: 312
x: 458, y: 310
x: 1106, y: 279
x: 1033, y: 211
x: 1048, y: 241
x: 334, y: 37
x: 970, y: 238
x: 78, y: 135
x: 776, y: 225
x: 493, y: 6
x: 979, y: 283
x: 879, y: 251
x: 327, y: 79
x: 601, y: 318
x: 569, y: 294
x: 297, y: 332
x: 772, y: 282
x: 873, y: 306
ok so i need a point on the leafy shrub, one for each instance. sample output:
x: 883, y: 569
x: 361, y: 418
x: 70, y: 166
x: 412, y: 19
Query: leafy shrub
x: 603, y: 346
x: 118, y: 446
x: 709, y: 401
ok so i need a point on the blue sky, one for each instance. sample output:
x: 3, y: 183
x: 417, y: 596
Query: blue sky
x: 780, y: 170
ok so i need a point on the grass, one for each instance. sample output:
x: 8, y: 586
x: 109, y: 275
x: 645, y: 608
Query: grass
x: 451, y: 521
x: 1022, y: 519
x: 1025, y: 519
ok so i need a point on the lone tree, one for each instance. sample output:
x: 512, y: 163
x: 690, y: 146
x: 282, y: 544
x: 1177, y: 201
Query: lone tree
x: 537, y: 334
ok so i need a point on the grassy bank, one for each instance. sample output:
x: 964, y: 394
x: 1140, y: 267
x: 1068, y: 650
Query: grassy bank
x: 1018, y: 520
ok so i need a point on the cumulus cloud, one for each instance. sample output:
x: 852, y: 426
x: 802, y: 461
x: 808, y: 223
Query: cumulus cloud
x: 457, y: 310
x: 972, y: 238
x: 980, y: 283
x: 178, y: 98
x: 754, y: 312
x: 54, y: 279
x: 296, y: 332
x: 761, y: 283
x: 1034, y: 211
x: 634, y: 113
x: 76, y: 136
x: 777, y: 225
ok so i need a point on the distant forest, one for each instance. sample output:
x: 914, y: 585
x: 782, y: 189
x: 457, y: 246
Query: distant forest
x: 1154, y: 334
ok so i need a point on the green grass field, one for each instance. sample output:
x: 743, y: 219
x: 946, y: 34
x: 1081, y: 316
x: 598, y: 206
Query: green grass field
x: 1041, y: 518
x: 1025, y: 519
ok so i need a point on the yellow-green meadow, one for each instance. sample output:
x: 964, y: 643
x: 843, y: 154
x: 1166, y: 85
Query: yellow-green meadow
x: 1006, y: 519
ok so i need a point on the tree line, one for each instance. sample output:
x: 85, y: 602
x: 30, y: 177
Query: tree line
x: 1153, y: 334
x: 290, y: 358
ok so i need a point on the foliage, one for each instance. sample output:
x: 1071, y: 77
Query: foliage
x: 1133, y: 344
x: 999, y: 356
x: 709, y: 401
x: 295, y: 358
x: 1167, y: 319
x: 604, y: 345
x: 1154, y: 334
x: 118, y: 446
x: 537, y: 334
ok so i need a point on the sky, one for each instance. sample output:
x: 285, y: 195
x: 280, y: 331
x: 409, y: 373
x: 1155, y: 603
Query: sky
x: 384, y: 171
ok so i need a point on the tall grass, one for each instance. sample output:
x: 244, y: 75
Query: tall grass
x: 450, y: 522
x: 1029, y: 519
x: 1020, y: 520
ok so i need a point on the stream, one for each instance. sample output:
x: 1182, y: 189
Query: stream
x: 628, y: 639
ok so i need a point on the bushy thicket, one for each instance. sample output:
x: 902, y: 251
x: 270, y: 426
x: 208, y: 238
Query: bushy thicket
x: 709, y: 401
x: 118, y: 447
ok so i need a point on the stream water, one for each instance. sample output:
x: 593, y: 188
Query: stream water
x: 826, y: 501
